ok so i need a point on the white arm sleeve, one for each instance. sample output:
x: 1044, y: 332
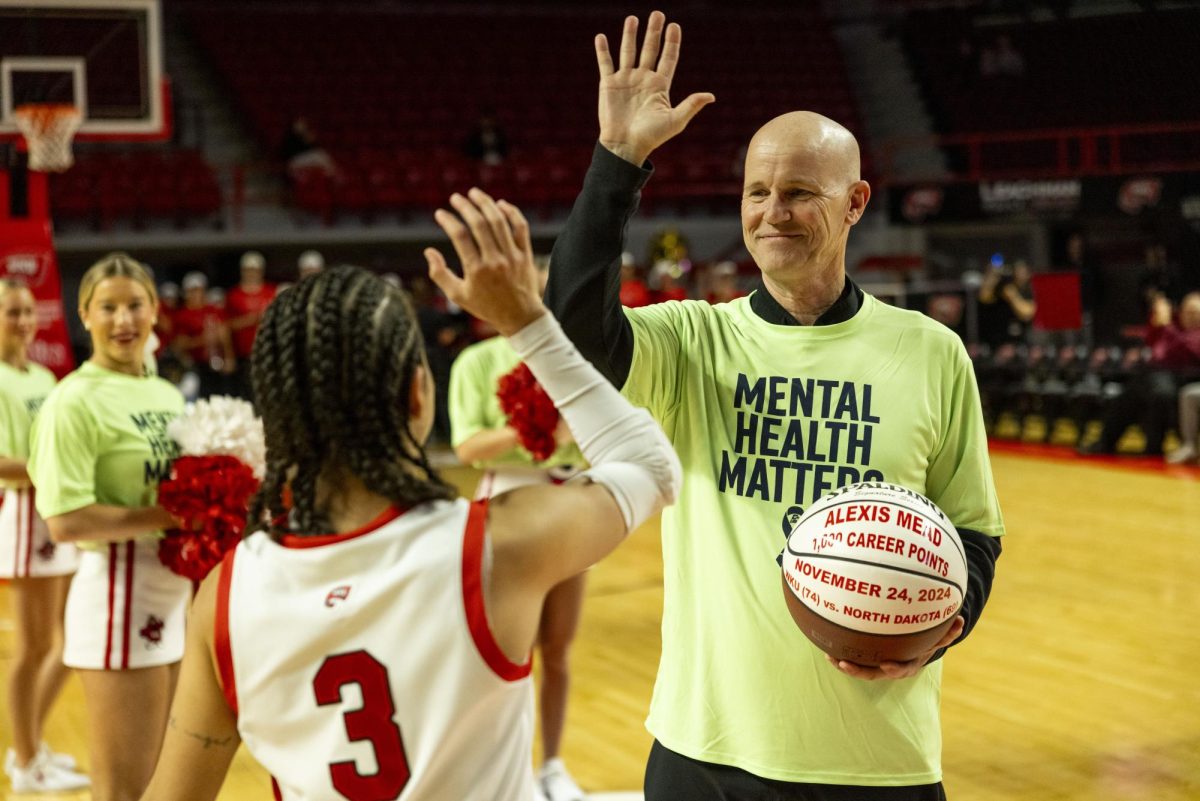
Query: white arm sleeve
x: 630, y: 455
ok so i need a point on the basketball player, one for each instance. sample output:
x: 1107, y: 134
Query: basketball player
x: 482, y: 437
x: 772, y: 401
x: 381, y: 615
x: 98, y: 451
x: 39, y: 571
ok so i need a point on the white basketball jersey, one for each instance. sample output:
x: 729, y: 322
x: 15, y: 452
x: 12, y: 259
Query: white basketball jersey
x: 361, y: 665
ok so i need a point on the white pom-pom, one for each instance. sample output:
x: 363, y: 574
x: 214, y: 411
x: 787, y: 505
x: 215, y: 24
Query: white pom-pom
x: 222, y: 425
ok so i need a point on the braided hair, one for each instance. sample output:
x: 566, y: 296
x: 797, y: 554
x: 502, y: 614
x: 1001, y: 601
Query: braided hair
x: 332, y: 365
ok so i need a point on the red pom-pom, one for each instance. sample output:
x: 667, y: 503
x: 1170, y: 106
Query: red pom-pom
x: 211, y: 495
x: 529, y: 410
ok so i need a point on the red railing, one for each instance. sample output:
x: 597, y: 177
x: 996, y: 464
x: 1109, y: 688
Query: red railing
x: 1055, y: 153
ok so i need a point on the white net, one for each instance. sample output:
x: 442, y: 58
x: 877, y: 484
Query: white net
x: 48, y: 129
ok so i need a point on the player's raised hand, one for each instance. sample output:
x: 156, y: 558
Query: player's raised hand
x: 636, y: 115
x: 499, y: 283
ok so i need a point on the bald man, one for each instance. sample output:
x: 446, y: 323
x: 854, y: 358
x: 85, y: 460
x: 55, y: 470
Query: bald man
x: 772, y: 401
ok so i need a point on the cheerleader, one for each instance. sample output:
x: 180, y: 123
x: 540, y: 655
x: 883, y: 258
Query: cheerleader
x: 99, y: 449
x: 39, y: 571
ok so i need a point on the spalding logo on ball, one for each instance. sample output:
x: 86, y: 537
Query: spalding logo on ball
x: 874, y: 573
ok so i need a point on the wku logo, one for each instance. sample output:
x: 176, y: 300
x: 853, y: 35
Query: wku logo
x: 337, y: 595
x: 46, y: 552
x: 152, y: 631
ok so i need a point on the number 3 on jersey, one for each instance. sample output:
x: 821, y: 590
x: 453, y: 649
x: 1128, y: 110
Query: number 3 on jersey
x: 372, y: 721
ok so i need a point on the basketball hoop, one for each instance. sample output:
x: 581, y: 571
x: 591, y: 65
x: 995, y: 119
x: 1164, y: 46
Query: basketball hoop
x: 48, y: 129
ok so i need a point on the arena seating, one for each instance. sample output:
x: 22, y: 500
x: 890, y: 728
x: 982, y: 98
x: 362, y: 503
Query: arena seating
x: 393, y: 96
x: 1090, y: 71
x: 1018, y: 382
x: 141, y: 185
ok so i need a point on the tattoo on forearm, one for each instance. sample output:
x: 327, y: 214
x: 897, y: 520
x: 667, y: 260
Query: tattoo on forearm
x: 207, y: 740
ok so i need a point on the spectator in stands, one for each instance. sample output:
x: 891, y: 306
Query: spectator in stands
x: 202, y: 338
x: 1002, y: 60
x: 1160, y: 276
x: 215, y: 297
x: 1009, y: 60
x: 1080, y: 259
x: 168, y: 304
x: 1150, y: 397
x: 244, y: 309
x: 310, y: 262
x: 1189, y: 426
x: 169, y: 296
x: 164, y: 359
x: 300, y: 150
x: 1006, y: 305
x: 723, y: 286
x: 666, y: 282
x: 966, y: 64
x: 487, y: 142
x: 444, y: 332
x: 634, y: 292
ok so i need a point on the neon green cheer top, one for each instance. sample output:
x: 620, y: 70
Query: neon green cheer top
x: 474, y: 406
x: 22, y: 392
x: 101, y: 438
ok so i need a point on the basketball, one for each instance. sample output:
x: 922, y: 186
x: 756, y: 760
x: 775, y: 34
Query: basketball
x: 874, y: 573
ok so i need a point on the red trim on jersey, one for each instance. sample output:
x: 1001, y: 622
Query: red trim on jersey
x: 221, y: 646
x: 275, y: 791
x: 317, y: 540
x: 112, y: 595
x: 472, y: 583
x: 129, y: 546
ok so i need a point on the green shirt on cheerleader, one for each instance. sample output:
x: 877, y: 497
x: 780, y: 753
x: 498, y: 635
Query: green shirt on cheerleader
x: 766, y: 419
x: 101, y: 438
x: 474, y: 406
x: 22, y: 392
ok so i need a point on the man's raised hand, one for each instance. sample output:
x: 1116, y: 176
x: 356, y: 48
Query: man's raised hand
x: 636, y: 115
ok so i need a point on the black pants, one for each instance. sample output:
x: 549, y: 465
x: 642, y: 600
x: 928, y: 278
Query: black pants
x: 674, y: 777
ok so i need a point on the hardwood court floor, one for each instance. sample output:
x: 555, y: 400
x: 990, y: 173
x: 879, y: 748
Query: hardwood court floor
x: 1079, y: 684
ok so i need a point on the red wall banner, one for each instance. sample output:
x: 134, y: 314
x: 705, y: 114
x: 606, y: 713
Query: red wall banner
x: 27, y: 255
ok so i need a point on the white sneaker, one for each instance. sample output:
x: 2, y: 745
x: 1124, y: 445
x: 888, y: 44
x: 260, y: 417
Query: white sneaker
x: 42, y: 776
x: 64, y: 761
x: 557, y: 782
x: 1182, y: 455
x: 538, y: 795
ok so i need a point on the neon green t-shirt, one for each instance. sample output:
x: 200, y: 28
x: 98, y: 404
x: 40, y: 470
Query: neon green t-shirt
x: 766, y: 419
x: 22, y: 393
x: 101, y: 437
x: 474, y: 406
